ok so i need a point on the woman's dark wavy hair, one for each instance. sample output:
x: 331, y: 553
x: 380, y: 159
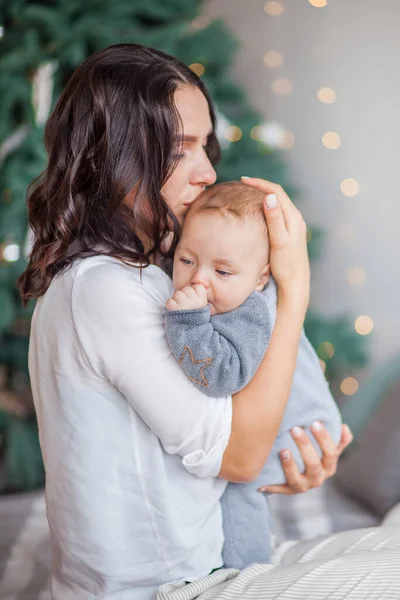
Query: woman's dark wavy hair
x: 112, y: 132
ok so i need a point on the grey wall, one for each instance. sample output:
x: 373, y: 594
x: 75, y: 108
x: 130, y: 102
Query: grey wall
x: 358, y: 56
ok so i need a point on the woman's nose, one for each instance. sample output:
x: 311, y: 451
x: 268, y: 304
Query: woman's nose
x: 210, y: 176
x: 205, y: 173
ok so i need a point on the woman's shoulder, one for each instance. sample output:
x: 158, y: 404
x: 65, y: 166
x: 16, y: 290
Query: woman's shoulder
x: 104, y: 277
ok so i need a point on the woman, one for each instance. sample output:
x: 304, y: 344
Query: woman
x: 136, y: 457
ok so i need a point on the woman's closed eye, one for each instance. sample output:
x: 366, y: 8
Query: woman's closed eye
x: 180, y: 155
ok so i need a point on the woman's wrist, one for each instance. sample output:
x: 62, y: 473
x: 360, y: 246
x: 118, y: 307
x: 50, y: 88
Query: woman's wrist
x: 293, y: 301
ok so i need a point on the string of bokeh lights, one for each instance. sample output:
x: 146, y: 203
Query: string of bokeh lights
x: 274, y: 135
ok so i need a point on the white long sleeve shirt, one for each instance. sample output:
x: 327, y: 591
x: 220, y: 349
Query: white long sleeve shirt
x: 131, y: 447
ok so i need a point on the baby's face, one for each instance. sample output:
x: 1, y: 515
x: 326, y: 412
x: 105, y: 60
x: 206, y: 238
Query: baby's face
x: 227, y: 255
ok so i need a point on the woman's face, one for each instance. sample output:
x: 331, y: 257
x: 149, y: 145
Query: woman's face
x: 194, y: 171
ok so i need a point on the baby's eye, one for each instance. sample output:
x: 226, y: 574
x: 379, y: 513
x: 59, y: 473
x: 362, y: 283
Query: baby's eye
x: 223, y: 273
x: 186, y: 261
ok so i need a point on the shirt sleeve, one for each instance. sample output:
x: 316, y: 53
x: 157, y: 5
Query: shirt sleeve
x: 118, y: 317
x: 220, y: 354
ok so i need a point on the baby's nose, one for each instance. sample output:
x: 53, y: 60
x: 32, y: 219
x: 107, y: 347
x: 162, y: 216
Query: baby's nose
x: 200, y: 276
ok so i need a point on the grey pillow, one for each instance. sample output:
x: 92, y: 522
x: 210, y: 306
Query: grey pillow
x: 371, y: 470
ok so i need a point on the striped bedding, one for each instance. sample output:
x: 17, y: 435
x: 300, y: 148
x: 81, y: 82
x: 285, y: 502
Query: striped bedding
x: 359, y: 564
x: 25, y: 548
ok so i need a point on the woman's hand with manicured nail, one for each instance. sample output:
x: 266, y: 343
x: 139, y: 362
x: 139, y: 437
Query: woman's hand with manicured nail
x: 271, y: 201
x: 317, y: 469
x: 288, y: 244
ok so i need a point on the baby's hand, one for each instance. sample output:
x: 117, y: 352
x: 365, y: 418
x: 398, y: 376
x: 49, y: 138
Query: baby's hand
x: 189, y: 298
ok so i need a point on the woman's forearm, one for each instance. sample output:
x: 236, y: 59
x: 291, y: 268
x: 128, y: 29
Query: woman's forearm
x: 258, y: 409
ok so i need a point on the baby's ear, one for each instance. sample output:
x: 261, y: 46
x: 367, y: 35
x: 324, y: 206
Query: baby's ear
x: 263, y: 279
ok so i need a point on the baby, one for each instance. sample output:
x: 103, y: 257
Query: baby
x: 219, y: 323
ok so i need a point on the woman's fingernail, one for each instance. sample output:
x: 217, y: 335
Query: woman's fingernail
x: 285, y: 455
x: 264, y: 488
x: 271, y: 201
x: 245, y: 177
x: 317, y: 426
x: 349, y: 432
x: 297, y: 431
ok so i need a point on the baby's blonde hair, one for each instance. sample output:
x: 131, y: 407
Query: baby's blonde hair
x: 230, y: 198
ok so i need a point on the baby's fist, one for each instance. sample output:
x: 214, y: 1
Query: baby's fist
x: 188, y: 298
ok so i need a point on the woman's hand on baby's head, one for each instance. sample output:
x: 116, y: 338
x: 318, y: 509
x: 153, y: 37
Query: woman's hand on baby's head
x: 190, y: 297
x: 288, y: 243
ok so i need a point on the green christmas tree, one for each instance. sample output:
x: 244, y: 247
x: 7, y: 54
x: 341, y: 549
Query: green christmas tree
x: 41, y: 44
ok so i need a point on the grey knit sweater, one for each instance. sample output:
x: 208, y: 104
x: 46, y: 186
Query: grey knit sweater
x: 220, y: 354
